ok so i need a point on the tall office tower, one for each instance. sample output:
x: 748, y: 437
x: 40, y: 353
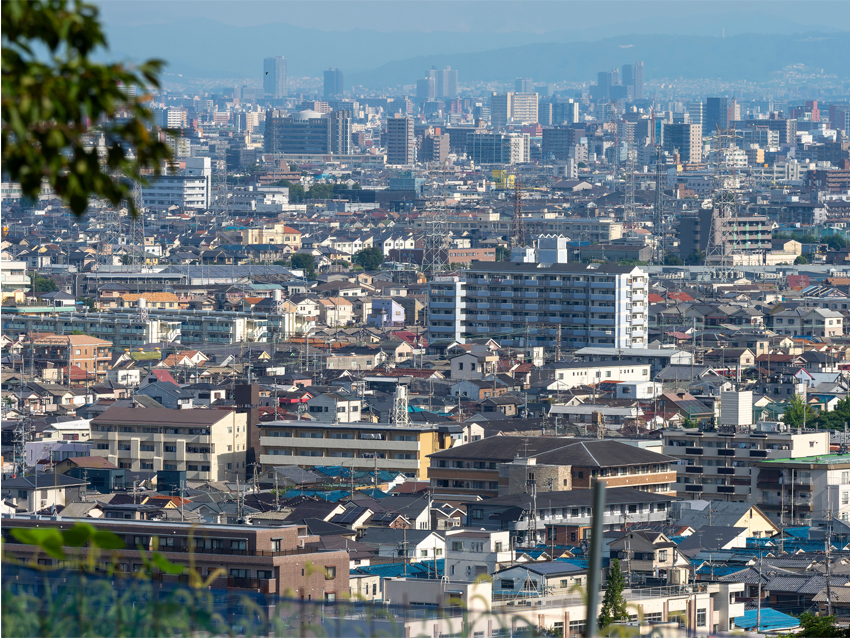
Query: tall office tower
x: 716, y: 115
x: 445, y: 81
x: 544, y: 113
x: 632, y: 75
x: 500, y: 109
x: 400, y: 141
x: 696, y: 112
x: 524, y: 108
x: 484, y: 147
x: 426, y: 89
x: 333, y: 83
x: 274, y: 77
x: 308, y: 132
x: 523, y: 85
x: 684, y: 139
x: 605, y: 80
x: 565, y: 112
x: 435, y: 148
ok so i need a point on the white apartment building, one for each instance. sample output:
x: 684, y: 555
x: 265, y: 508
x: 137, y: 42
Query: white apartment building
x: 722, y: 464
x: 523, y: 303
x: 471, y: 553
x: 190, y: 188
x: 206, y: 444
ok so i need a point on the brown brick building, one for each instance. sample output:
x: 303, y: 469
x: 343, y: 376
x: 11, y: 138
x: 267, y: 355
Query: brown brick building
x: 90, y: 354
x: 271, y: 560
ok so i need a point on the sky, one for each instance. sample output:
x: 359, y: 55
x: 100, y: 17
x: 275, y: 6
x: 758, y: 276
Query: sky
x: 493, y: 16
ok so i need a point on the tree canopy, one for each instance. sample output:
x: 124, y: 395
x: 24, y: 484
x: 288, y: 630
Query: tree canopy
x: 43, y: 284
x: 305, y: 262
x: 613, y: 603
x: 54, y: 97
x: 370, y: 258
x: 793, y: 415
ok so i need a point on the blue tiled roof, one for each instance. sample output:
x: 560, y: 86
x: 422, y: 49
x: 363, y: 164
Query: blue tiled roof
x: 771, y: 620
x: 798, y: 532
x: 414, y: 570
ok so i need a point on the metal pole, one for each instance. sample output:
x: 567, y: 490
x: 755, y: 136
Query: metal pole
x: 594, y: 574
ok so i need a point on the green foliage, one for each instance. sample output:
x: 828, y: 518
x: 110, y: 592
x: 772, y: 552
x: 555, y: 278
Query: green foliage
x: 803, y: 238
x: 503, y: 253
x: 801, y: 261
x: 673, y: 260
x: 581, y: 165
x: 88, y: 302
x: 43, y: 284
x: 53, y: 541
x: 836, y: 418
x: 370, y: 258
x: 793, y: 415
x: 690, y: 423
x: 305, y: 262
x: 836, y: 242
x: 613, y: 603
x: 696, y: 258
x: 821, y: 627
x: 50, y: 101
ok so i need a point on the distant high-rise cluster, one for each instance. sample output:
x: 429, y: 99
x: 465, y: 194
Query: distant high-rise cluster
x: 445, y: 82
x: 274, y: 77
x: 619, y: 84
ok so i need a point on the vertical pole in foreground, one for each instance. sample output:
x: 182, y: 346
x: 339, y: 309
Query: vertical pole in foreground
x: 594, y: 574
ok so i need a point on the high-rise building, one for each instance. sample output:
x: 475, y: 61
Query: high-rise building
x: 435, y: 148
x: 616, y: 318
x: 716, y: 115
x: 632, y: 75
x: 401, y: 144
x: 696, y: 114
x: 333, y: 83
x: 559, y: 142
x: 308, y: 132
x: 565, y: 112
x: 274, y: 77
x: 445, y: 82
x: 684, y: 139
x: 524, y: 85
x: 498, y: 148
x: 513, y: 108
x: 426, y: 89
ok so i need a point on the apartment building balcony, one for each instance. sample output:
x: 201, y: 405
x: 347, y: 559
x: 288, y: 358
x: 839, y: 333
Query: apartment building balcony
x: 399, y: 465
x: 602, y: 297
x: 449, y: 304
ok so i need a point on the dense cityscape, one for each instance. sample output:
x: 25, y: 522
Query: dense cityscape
x: 509, y: 291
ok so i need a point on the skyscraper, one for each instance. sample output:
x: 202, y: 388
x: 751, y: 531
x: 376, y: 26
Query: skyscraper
x: 333, y: 83
x: 274, y: 77
x: 684, y: 139
x: 426, y: 89
x: 524, y: 85
x: 716, y: 115
x: 400, y: 140
x: 696, y: 112
x: 632, y: 75
x: 445, y: 82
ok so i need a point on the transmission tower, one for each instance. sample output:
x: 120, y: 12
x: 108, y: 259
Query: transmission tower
x: 136, y: 238
x: 437, y: 230
x: 722, y: 240
x: 660, y: 222
x: 518, y: 237
x: 400, y: 415
x: 612, y: 119
x: 629, y: 213
x: 109, y: 230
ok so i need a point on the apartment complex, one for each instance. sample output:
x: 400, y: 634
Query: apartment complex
x: 723, y: 464
x: 685, y: 140
x: 360, y: 446
x: 207, y: 444
x: 401, y: 144
x: 271, y: 560
x: 190, y: 188
x: 501, y: 465
x: 513, y: 108
x: 279, y: 234
x: 527, y: 301
x: 750, y: 234
x: 93, y: 356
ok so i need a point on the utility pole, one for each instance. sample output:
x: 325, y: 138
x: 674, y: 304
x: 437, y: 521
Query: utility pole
x: 758, y: 608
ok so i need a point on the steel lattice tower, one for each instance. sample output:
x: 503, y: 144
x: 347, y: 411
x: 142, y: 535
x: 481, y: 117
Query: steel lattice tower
x: 518, y: 237
x: 629, y: 214
x: 660, y: 222
x: 109, y: 230
x: 400, y: 415
x: 136, y: 238
x: 722, y: 239
x: 435, y: 256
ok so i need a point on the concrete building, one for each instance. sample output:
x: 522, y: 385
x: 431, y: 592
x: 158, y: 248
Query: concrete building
x: 632, y: 76
x: 190, y: 188
x: 333, y: 83
x: 307, y: 132
x: 361, y: 446
x: 90, y: 354
x: 274, y: 77
x: 513, y: 108
x: 752, y: 234
x: 722, y: 464
x: 684, y: 140
x: 498, y: 148
x: 435, y: 148
x: 426, y: 89
x: 716, y: 115
x: 401, y: 144
x: 445, y: 82
x: 523, y: 302
x: 206, y: 444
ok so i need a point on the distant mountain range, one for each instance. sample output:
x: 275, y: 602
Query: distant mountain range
x: 208, y: 49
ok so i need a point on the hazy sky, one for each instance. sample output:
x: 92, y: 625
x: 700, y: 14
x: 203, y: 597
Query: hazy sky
x: 466, y: 15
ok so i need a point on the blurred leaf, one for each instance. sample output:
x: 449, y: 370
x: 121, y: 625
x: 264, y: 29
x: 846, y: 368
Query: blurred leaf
x: 50, y: 540
x: 78, y: 535
x: 166, y: 565
x: 108, y: 540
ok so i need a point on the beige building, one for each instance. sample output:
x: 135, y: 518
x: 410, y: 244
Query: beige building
x: 207, y: 444
x: 336, y: 311
x: 160, y: 300
x: 278, y: 234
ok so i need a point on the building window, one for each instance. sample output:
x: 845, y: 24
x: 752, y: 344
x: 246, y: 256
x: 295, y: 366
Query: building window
x: 700, y: 617
x: 330, y: 573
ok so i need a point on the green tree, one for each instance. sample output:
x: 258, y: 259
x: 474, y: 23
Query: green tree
x: 503, y: 253
x: 613, y: 603
x: 835, y: 242
x: 42, y: 284
x: 321, y: 191
x: 305, y: 262
x: 370, y: 258
x: 673, y: 260
x: 793, y: 415
x: 696, y: 258
x: 801, y: 261
x: 54, y: 95
x: 690, y: 423
x: 820, y: 627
